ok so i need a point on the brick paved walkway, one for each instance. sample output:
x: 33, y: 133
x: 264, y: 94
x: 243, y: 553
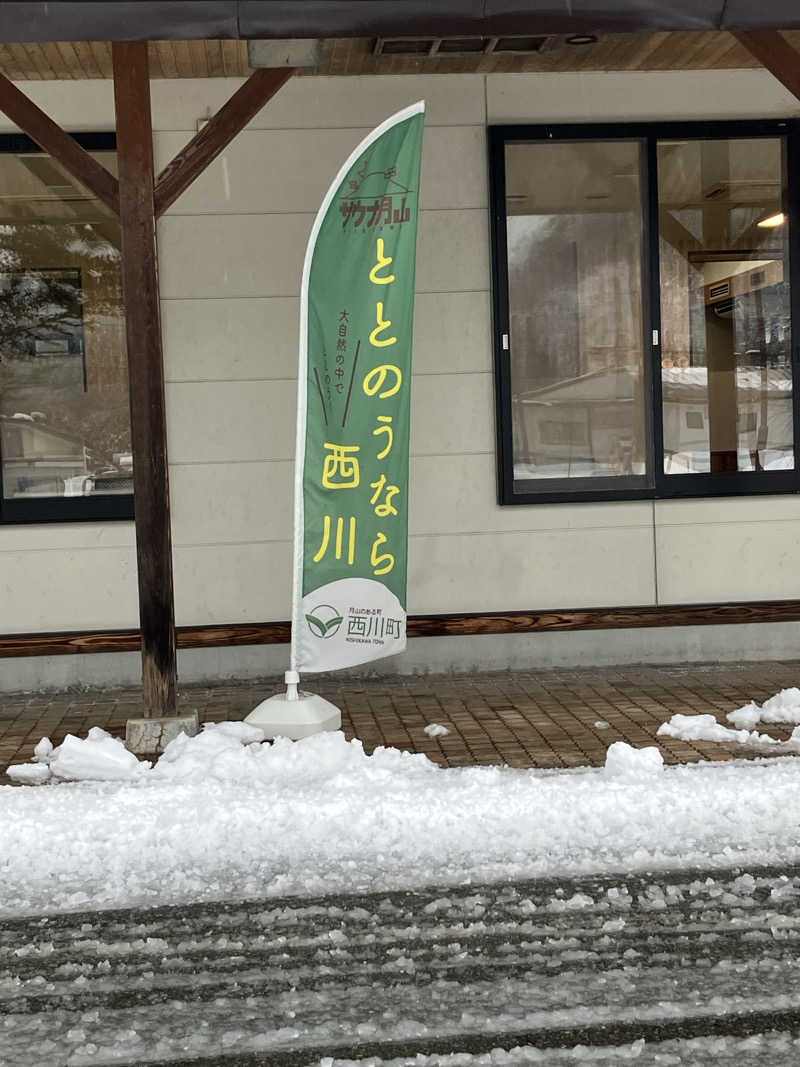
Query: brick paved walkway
x: 556, y: 718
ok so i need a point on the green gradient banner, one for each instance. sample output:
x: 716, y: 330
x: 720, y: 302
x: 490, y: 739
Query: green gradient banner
x: 351, y: 475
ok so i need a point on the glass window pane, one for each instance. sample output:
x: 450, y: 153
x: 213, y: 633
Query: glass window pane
x: 64, y: 418
x: 574, y: 225
x: 725, y: 313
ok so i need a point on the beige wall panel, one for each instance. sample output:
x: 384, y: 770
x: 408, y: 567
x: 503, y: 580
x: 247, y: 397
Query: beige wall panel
x: 454, y: 169
x: 736, y: 509
x: 324, y: 103
x: 225, y: 422
x: 458, y: 494
x: 226, y: 503
x: 284, y: 171
x: 728, y: 561
x: 453, y: 251
x: 76, y: 535
x: 233, y: 583
x: 211, y: 256
x: 452, y: 100
x: 531, y: 570
x: 234, y: 340
x: 452, y: 333
x: 451, y: 413
x: 628, y: 96
x: 68, y: 589
x: 253, y: 338
x: 290, y: 170
x: 74, y: 105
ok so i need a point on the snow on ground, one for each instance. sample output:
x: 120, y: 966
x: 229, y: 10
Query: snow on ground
x: 768, y: 1050
x: 436, y: 729
x: 783, y: 709
x: 224, y: 814
x: 706, y: 728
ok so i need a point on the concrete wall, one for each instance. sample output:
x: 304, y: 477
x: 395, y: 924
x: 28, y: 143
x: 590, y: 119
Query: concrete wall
x: 231, y: 252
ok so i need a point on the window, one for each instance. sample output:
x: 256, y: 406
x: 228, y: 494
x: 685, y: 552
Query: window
x: 65, y: 442
x: 643, y: 312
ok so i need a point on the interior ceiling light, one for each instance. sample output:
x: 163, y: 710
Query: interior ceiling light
x: 771, y: 221
x: 581, y: 38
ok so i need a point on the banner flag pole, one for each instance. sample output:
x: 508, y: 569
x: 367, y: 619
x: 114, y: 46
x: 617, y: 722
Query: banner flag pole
x: 353, y: 417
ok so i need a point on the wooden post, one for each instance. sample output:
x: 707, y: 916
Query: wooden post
x: 146, y: 376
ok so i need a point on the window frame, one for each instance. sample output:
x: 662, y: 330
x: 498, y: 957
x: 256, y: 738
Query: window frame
x: 659, y: 485
x: 101, y: 507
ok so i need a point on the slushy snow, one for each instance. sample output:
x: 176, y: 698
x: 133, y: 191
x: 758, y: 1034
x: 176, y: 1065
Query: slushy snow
x: 227, y: 815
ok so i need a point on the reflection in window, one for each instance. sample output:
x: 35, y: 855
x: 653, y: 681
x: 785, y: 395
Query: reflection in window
x: 574, y: 233
x: 725, y: 313
x: 64, y: 419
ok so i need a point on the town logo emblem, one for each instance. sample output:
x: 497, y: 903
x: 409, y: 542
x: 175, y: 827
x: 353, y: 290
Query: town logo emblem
x: 324, y: 621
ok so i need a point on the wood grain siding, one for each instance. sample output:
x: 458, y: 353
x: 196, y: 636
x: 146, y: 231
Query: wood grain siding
x: 679, y: 50
x: 461, y: 625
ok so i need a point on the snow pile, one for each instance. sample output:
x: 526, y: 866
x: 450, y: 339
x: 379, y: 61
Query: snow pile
x: 706, y: 728
x: 783, y: 708
x: 226, y: 815
x: 745, y: 718
x: 624, y: 761
x: 98, y: 757
x: 435, y: 729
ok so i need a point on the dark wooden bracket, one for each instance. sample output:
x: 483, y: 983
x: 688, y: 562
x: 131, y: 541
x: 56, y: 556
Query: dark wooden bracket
x: 217, y: 134
x: 774, y: 52
x: 59, y: 144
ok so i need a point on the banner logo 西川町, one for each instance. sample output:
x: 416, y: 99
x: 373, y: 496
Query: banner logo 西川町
x: 324, y: 621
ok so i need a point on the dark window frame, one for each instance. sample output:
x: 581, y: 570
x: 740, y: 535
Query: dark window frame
x: 108, y: 507
x: 659, y: 486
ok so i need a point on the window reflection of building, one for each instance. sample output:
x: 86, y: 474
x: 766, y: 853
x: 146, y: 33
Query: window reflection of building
x: 575, y: 285
x: 63, y: 369
x: 725, y: 305
x: 592, y: 396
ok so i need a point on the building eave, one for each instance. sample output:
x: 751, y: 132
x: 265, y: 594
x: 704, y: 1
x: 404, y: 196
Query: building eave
x: 165, y: 20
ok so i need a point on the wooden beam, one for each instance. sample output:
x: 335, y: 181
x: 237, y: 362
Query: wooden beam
x: 60, y: 145
x: 774, y: 52
x: 217, y: 134
x: 461, y: 625
x: 146, y: 376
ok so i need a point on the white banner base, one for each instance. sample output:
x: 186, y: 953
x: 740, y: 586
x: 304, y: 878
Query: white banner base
x: 306, y: 714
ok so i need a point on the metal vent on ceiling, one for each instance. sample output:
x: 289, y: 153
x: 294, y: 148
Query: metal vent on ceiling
x: 719, y: 290
x: 458, y: 46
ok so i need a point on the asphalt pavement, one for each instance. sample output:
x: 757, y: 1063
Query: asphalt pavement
x: 691, y: 967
